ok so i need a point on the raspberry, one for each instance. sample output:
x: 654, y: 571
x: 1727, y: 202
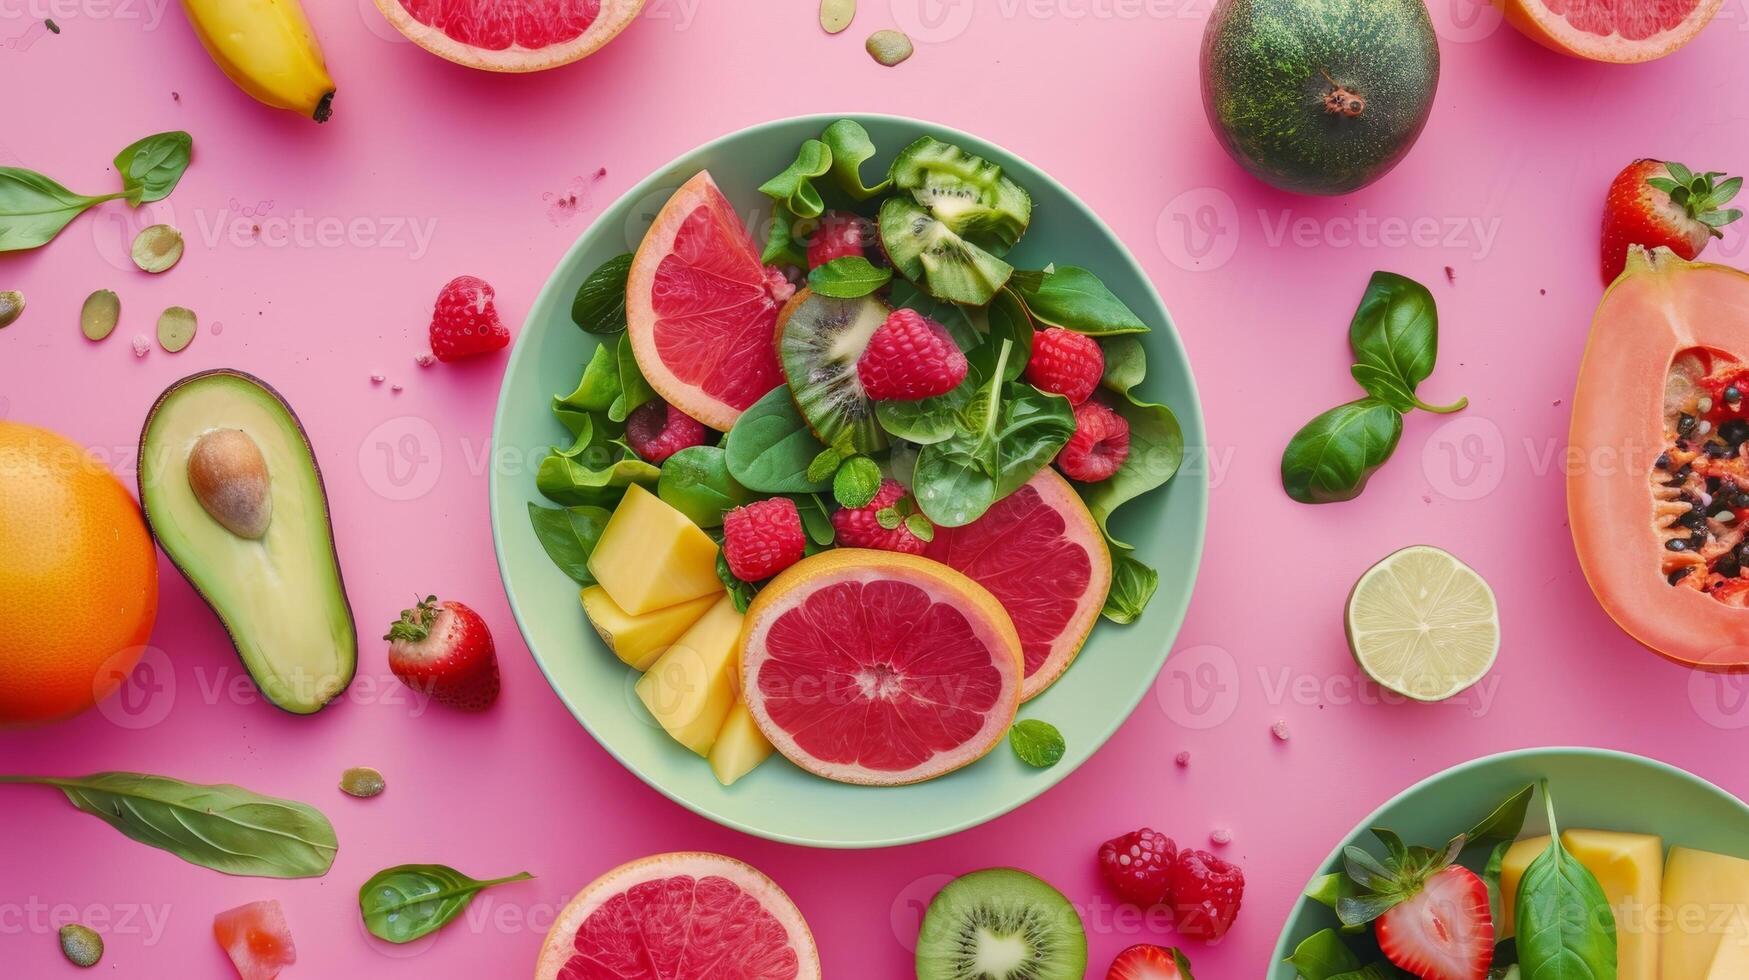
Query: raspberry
x: 1205, y: 894
x: 839, y: 234
x: 1065, y: 363
x: 1099, y: 446
x: 657, y: 430
x: 465, y: 322
x: 910, y: 357
x: 1138, y: 866
x: 859, y: 527
x: 763, y: 538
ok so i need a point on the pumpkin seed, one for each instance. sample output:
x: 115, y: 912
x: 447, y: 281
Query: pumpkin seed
x: 176, y: 327
x: 836, y: 15
x: 889, y: 47
x: 99, y: 315
x: 11, y: 307
x: 362, y: 782
x: 81, y: 945
x: 158, y: 248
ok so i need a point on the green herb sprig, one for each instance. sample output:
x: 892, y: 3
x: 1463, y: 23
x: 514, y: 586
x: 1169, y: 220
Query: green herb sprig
x: 35, y: 208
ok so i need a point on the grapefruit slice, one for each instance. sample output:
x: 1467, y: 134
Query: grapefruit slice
x: 1623, y: 32
x: 1040, y: 553
x: 686, y: 914
x: 699, y: 308
x: 879, y: 668
x: 510, y: 35
x: 256, y: 939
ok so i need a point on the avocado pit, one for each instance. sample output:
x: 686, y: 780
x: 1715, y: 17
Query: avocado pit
x: 229, y: 477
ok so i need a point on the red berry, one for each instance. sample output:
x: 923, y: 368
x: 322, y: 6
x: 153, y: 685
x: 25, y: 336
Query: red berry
x: 1065, y: 363
x: 763, y: 538
x: 657, y: 430
x: 839, y: 234
x: 1146, y: 961
x: 859, y: 527
x: 1444, y: 932
x: 465, y: 322
x: 1138, y: 866
x: 1206, y: 892
x: 445, y: 650
x: 909, y: 357
x: 1099, y: 446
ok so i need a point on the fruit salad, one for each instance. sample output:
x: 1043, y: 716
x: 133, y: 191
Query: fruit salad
x: 874, y: 425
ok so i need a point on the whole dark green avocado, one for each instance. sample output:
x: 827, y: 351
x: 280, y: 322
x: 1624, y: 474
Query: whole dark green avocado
x: 1319, y: 96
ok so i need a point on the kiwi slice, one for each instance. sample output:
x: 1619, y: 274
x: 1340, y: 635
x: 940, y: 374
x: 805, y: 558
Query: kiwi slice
x: 966, y: 192
x: 1001, y: 924
x: 820, y: 340
x: 929, y: 253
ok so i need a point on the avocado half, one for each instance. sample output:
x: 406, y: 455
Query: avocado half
x: 280, y: 594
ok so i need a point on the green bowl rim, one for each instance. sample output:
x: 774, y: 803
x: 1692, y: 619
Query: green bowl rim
x: 1282, y: 952
x: 1195, y: 434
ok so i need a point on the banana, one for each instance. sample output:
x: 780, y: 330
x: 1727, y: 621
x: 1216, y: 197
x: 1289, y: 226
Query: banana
x: 268, y: 49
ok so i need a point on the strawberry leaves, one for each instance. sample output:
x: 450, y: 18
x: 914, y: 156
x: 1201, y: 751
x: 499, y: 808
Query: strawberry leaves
x: 1398, y: 877
x: 1702, y: 196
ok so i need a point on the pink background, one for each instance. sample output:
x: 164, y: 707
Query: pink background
x: 1496, y: 210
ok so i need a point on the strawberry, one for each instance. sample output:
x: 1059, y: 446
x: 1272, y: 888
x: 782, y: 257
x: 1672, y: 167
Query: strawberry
x: 763, y: 538
x: 1138, y: 866
x: 1099, y: 446
x: 1065, y: 363
x: 1430, y: 916
x: 1653, y: 203
x: 445, y: 650
x: 657, y: 430
x: 1206, y: 892
x: 464, y: 322
x: 1145, y: 961
x: 861, y: 527
x: 839, y: 234
x: 909, y: 357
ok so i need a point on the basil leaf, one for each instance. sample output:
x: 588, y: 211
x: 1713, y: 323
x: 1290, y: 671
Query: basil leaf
x: 578, y: 483
x: 222, y: 827
x: 1376, y: 970
x: 849, y: 277
x: 1332, y: 457
x: 1156, y: 451
x: 1384, y: 386
x: 600, y: 304
x: 1075, y: 299
x: 696, y: 482
x: 851, y: 148
x: 781, y: 246
x: 151, y: 167
x: 633, y: 389
x: 568, y: 535
x: 1323, y: 955
x: 1132, y: 586
x: 1395, y: 337
x: 34, y: 209
x: 1491, y: 873
x: 770, y: 447
x: 1505, y: 822
x: 794, y: 187
x: 1037, y: 743
x: 1566, y: 929
x: 403, y: 903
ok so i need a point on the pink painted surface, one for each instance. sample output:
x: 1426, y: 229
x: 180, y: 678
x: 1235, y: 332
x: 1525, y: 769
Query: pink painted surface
x: 430, y: 171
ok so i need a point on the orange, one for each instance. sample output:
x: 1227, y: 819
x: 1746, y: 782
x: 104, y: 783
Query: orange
x: 78, y: 580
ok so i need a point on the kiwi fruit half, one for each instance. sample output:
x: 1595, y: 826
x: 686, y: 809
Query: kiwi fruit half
x: 820, y: 340
x: 965, y: 192
x: 932, y: 255
x: 1001, y: 924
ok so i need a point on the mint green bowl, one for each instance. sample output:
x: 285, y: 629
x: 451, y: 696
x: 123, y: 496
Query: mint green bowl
x: 777, y: 800
x: 1593, y: 788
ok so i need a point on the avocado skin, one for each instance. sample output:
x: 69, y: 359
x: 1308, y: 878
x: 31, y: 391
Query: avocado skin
x: 309, y: 456
x: 1267, y: 66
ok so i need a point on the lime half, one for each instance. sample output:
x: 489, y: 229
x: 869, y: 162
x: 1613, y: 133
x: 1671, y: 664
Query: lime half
x: 1423, y: 624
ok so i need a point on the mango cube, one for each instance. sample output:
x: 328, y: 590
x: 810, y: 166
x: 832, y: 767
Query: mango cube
x: 739, y: 748
x: 1630, y: 867
x: 639, y: 640
x: 1731, y: 962
x: 1708, y: 899
x: 690, y: 688
x: 650, y: 556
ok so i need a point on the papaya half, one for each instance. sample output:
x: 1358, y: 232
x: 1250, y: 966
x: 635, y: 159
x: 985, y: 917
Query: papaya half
x: 1658, y: 464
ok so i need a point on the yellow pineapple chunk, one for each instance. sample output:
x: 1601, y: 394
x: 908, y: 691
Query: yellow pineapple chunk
x: 739, y: 747
x: 1630, y: 869
x: 690, y: 688
x: 650, y: 556
x: 1708, y: 899
x: 639, y: 640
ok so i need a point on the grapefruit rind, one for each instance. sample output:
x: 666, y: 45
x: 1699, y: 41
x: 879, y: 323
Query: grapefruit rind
x: 615, y: 16
x: 560, y: 944
x: 1536, y: 21
x: 988, y: 620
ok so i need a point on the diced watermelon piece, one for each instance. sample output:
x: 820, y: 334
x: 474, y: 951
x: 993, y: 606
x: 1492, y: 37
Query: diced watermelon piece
x: 256, y: 939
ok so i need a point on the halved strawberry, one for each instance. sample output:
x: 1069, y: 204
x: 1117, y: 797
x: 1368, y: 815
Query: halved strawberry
x: 1431, y: 916
x: 1146, y: 961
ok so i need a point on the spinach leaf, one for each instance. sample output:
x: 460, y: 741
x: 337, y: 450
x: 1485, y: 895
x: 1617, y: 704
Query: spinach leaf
x: 927, y: 420
x: 1037, y: 743
x: 851, y: 148
x: 740, y: 593
x: 794, y: 188
x: 1322, y: 956
x: 34, y: 209
x: 151, y: 167
x: 1491, y: 873
x: 600, y: 304
x: 1376, y: 970
x: 568, y: 534
x: 1566, y: 929
x: 1156, y: 439
x: 222, y: 827
x: 586, y: 482
x: 633, y: 389
x: 1075, y: 299
x: 1005, y: 319
x: 696, y: 482
x: 1126, y: 364
x: 595, y: 393
x: 781, y: 245
x: 815, y: 520
x: 1132, y: 586
x: 1395, y: 337
x: 1332, y: 457
x: 403, y: 903
x: 848, y: 277
x: 770, y: 447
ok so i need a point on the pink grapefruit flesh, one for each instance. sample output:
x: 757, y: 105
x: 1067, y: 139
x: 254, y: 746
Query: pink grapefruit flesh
x: 700, y: 310
x: 510, y: 35
x: 256, y: 939
x: 879, y: 668
x: 1622, y: 31
x: 1041, y: 555
x: 681, y: 915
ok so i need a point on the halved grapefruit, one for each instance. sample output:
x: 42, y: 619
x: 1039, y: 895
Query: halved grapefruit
x: 1624, y: 31
x: 688, y: 914
x: 510, y: 35
x: 1040, y: 553
x: 700, y: 308
x: 879, y: 668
